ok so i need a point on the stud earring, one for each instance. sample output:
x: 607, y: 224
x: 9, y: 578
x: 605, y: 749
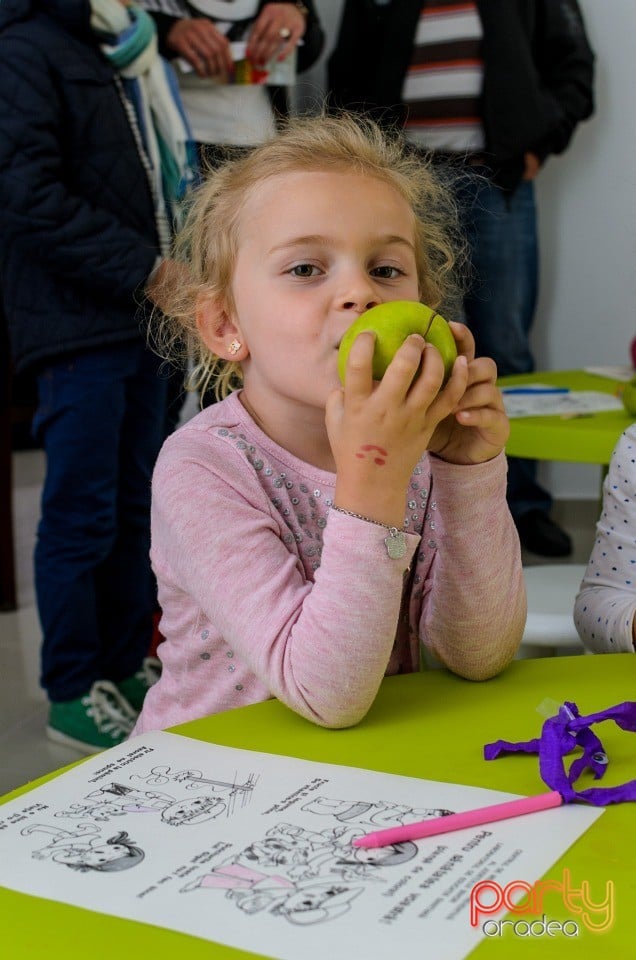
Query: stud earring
x: 234, y: 347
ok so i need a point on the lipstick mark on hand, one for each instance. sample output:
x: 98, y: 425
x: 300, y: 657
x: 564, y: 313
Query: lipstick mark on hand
x: 367, y: 448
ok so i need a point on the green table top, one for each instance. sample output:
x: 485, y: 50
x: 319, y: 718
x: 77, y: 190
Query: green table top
x: 432, y: 725
x: 588, y: 439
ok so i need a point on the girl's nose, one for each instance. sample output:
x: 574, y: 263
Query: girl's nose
x: 360, y: 295
x: 361, y: 306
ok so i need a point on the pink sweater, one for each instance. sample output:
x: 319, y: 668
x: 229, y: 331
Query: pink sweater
x: 266, y: 592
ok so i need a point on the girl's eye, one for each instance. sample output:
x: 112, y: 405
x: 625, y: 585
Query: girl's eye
x: 304, y: 270
x: 386, y: 272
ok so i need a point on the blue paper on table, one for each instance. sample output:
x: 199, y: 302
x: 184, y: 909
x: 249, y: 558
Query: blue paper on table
x: 540, y: 400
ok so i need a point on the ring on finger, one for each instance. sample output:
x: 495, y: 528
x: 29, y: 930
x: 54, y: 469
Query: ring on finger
x: 284, y: 33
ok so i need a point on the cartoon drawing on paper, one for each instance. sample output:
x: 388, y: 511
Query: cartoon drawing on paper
x: 118, y: 799
x: 194, y: 779
x: 360, y: 862
x: 279, y: 871
x: 84, y: 849
x: 382, y: 813
x: 302, y: 875
x: 287, y: 856
x: 330, y: 851
x: 315, y: 903
x: 193, y: 810
x: 253, y: 891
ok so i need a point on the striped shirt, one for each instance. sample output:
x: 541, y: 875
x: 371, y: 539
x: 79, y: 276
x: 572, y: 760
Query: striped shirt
x: 442, y: 88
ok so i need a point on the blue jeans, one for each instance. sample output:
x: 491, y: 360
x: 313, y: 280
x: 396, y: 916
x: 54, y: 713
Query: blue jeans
x: 499, y: 308
x: 101, y: 418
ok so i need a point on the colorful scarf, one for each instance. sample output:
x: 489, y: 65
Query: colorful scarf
x: 129, y: 42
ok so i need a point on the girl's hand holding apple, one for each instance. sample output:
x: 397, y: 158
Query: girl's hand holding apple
x: 478, y: 428
x: 379, y: 430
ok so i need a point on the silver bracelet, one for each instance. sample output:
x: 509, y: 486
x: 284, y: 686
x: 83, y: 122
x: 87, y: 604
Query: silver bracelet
x: 395, y: 543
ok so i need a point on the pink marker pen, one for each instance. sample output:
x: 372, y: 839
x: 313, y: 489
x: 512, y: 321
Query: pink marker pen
x: 461, y: 821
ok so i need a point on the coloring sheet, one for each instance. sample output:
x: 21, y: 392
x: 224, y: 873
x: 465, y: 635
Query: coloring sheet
x: 532, y: 402
x: 254, y: 850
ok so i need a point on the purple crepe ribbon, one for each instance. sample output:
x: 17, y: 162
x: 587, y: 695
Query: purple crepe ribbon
x: 559, y: 736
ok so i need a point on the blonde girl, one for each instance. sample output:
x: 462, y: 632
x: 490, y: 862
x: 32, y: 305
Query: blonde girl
x: 308, y: 538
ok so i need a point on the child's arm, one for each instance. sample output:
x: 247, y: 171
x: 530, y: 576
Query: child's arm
x: 474, y: 606
x: 222, y: 548
x: 474, y: 603
x: 605, y: 608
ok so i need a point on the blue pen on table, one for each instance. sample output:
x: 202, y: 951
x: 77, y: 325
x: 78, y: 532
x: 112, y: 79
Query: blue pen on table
x: 529, y: 391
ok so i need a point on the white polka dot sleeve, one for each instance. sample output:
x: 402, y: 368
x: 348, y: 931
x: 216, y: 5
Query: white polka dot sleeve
x: 606, y: 604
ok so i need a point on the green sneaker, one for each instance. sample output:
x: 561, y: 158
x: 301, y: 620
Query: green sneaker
x: 135, y: 688
x: 102, y: 718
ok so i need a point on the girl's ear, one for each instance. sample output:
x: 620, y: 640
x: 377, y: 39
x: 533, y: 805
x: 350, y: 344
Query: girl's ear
x: 218, y: 330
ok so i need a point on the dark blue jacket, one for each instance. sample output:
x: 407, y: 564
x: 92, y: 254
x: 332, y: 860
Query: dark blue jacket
x: 77, y: 228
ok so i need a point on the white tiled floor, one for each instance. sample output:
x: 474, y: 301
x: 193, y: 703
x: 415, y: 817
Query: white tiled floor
x: 25, y: 753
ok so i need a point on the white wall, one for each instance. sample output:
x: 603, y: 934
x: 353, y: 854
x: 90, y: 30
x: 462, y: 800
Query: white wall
x: 587, y: 222
x: 587, y: 219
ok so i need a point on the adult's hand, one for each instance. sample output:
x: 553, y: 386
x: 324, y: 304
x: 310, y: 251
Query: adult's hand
x: 265, y: 39
x: 532, y: 165
x: 204, y: 47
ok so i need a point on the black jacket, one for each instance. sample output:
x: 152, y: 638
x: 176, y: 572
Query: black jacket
x: 538, y: 72
x: 77, y: 230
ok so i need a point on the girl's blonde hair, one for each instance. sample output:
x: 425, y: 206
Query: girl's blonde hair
x: 208, y: 241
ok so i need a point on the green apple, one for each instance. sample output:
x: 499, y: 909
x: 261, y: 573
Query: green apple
x: 392, y: 323
x: 629, y: 397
